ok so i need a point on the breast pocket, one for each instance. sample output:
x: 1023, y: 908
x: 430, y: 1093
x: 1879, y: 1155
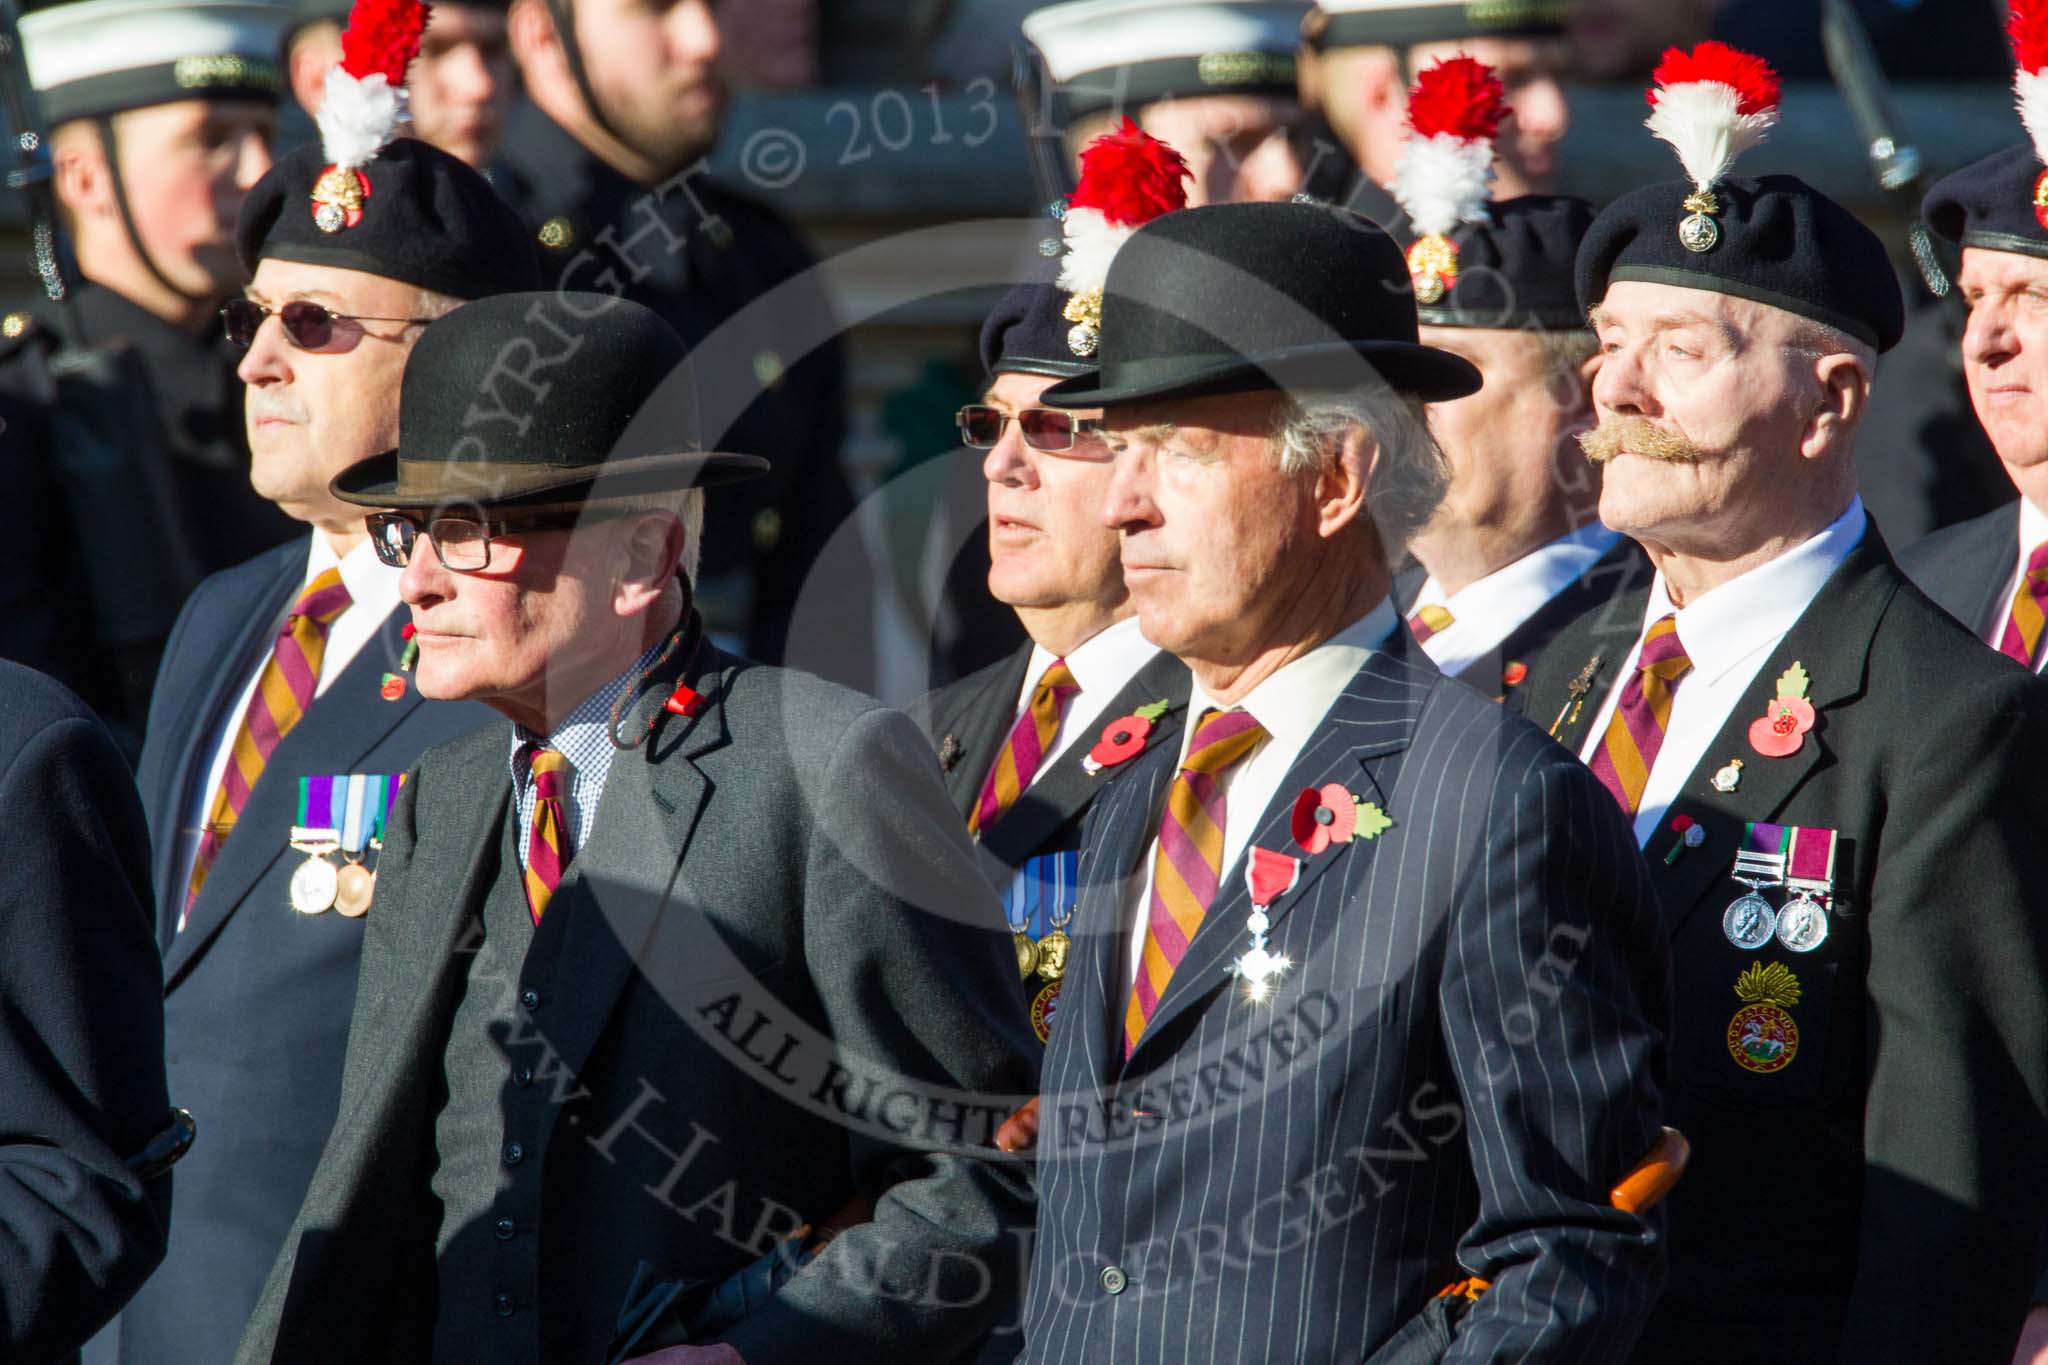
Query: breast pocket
x: 1770, y: 1029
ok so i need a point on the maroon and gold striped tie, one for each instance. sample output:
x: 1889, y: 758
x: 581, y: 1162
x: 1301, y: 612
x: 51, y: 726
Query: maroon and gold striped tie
x: 1189, y: 863
x: 1635, y: 732
x: 282, y: 696
x: 547, y: 841
x: 1025, y: 749
x: 2022, y: 638
x: 1427, y: 621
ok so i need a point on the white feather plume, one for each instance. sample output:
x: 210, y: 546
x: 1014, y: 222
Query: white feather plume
x: 1699, y: 120
x: 1092, y: 243
x: 358, y: 117
x: 2031, y: 91
x: 1442, y: 181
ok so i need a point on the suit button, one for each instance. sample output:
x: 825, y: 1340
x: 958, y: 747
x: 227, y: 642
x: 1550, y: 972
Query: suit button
x: 514, y: 1154
x: 505, y: 1229
x: 503, y: 1305
x: 522, y: 1078
x: 1114, y: 1279
x: 530, y: 998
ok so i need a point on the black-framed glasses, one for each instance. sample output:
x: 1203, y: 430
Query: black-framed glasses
x: 308, y: 325
x: 463, y: 543
x: 1049, y: 429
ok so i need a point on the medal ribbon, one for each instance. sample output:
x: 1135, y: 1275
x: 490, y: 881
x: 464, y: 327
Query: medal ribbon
x: 1763, y: 852
x: 1812, y: 859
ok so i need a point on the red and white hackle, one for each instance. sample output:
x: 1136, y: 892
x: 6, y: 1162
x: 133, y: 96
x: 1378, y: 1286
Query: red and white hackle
x: 1128, y: 178
x: 1446, y: 169
x: 1711, y: 104
x: 364, y: 103
x: 2027, y: 26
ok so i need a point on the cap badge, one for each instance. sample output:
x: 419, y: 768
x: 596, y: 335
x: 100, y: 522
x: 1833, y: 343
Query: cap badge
x: 2041, y: 199
x: 338, y: 197
x: 1084, y: 310
x: 1697, y: 231
x: 1433, y: 266
x: 1128, y: 178
x: 1711, y: 104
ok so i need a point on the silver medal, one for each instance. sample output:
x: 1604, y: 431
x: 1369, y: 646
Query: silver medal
x: 1803, y: 925
x: 314, y: 886
x: 1749, y: 921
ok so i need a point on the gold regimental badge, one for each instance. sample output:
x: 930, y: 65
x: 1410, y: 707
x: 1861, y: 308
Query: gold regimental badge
x: 1762, y: 1036
x: 1433, y: 266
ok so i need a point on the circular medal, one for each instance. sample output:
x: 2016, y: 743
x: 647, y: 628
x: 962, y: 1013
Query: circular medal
x: 1762, y: 1038
x: 1803, y: 925
x: 1052, y: 955
x: 353, y: 887
x: 1027, y: 954
x: 314, y: 885
x: 1749, y: 921
x: 1042, y: 1006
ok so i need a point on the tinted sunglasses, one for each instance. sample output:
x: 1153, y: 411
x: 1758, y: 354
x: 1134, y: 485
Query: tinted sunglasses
x: 309, y: 326
x: 463, y: 544
x: 1042, y: 428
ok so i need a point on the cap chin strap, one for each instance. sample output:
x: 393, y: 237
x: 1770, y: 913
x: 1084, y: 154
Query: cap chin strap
x: 565, y: 28
x: 105, y: 123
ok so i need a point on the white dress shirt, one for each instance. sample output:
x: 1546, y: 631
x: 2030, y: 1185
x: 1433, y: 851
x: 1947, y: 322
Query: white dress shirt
x: 1290, y: 705
x: 1488, y: 610
x: 2033, y: 530
x: 1728, y: 633
x: 373, y: 595
x: 1103, y: 665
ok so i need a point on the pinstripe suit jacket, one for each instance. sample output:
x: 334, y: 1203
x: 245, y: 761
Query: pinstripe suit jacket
x: 1462, y: 1061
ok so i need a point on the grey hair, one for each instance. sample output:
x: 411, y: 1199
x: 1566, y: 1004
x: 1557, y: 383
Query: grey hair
x: 687, y: 506
x: 1411, y: 477
x: 1565, y: 353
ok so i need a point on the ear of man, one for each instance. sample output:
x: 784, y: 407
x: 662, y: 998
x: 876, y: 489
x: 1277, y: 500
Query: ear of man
x: 1345, y: 479
x: 1844, y: 382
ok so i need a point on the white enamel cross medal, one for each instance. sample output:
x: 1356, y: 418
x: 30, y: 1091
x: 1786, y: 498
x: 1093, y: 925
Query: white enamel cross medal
x: 1269, y: 876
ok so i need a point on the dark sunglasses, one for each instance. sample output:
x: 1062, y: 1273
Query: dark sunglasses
x: 463, y: 544
x: 1042, y: 428
x: 309, y: 326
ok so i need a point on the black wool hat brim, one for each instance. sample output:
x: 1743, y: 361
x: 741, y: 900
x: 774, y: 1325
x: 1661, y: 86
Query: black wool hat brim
x: 377, y: 481
x: 1428, y: 373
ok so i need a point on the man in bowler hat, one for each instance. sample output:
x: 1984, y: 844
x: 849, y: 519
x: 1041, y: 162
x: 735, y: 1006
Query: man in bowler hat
x: 1349, y: 1015
x: 680, y: 955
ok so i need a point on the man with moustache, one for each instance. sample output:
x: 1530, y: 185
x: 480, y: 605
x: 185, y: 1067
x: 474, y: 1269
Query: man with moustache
x: 637, y: 944
x: 623, y: 102
x: 1515, y: 552
x: 1359, y: 58
x: 1339, y: 925
x: 1835, y: 788
x: 132, y: 485
x: 286, y: 710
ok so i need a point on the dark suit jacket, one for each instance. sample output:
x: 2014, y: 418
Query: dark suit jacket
x: 257, y: 997
x: 1966, y: 568
x: 1881, y: 1197
x: 787, y: 854
x: 1623, y: 569
x: 81, y: 1027
x: 1461, y: 1063
x: 967, y: 722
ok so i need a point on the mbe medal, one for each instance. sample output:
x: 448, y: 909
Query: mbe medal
x: 1749, y: 921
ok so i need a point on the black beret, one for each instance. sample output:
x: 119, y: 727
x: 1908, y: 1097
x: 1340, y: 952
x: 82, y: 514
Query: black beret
x: 428, y: 220
x: 1993, y: 203
x: 1027, y: 333
x: 1514, y: 270
x: 1778, y: 241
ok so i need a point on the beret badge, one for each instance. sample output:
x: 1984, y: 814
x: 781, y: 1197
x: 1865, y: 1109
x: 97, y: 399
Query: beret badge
x: 1446, y: 167
x: 1128, y: 178
x: 1711, y: 104
x: 2027, y: 27
x: 364, y: 103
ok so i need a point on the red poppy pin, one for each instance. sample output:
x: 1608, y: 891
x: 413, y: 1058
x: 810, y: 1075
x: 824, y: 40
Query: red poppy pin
x: 1124, y: 738
x: 1331, y: 815
x: 1781, y: 730
x: 392, y: 686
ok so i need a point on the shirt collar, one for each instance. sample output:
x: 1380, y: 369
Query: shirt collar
x: 2033, y: 527
x: 370, y: 581
x: 1535, y: 578
x: 1101, y: 664
x: 586, y: 722
x: 1728, y: 624
x: 1291, y: 704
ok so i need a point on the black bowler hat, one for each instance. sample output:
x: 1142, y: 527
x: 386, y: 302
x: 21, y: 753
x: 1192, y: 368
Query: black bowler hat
x: 1027, y: 333
x: 1780, y: 242
x: 1237, y: 298
x: 541, y: 399
x: 1515, y: 269
x: 428, y: 220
